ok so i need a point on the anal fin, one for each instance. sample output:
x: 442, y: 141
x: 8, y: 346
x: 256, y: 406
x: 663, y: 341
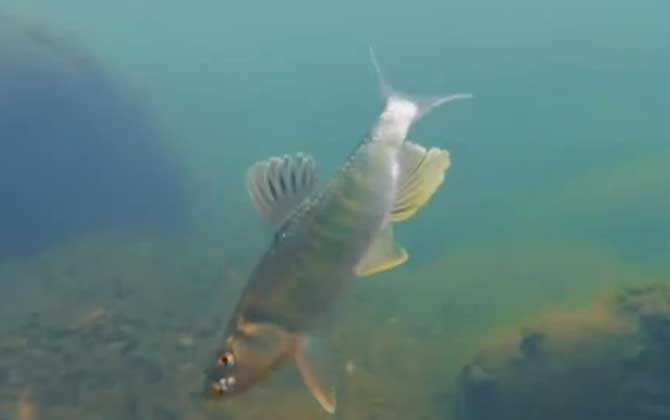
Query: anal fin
x: 316, y: 367
x: 383, y: 254
x: 422, y: 173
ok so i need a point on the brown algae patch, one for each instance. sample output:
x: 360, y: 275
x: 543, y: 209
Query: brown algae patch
x: 117, y: 320
x: 614, y: 351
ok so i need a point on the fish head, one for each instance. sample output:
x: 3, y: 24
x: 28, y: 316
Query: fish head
x: 248, y: 355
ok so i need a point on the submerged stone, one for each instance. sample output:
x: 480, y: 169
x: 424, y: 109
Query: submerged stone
x: 609, y: 360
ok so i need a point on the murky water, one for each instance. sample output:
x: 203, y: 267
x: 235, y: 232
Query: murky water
x: 126, y: 234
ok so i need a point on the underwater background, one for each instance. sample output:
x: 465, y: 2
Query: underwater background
x: 538, y: 275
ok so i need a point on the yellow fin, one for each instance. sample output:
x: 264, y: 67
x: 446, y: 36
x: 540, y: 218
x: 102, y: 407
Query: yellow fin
x: 422, y: 173
x: 384, y: 254
x: 316, y: 368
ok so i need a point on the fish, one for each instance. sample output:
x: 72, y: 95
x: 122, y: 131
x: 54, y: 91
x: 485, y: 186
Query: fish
x: 324, y: 239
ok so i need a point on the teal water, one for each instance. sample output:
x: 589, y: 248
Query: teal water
x: 558, y: 191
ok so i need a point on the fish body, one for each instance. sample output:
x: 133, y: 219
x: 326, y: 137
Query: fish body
x: 311, y: 258
x: 324, y: 239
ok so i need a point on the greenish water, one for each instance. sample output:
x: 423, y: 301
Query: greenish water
x: 557, y: 194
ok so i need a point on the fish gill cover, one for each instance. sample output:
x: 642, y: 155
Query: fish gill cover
x: 77, y: 151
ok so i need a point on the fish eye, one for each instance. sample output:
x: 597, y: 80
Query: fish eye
x: 227, y: 359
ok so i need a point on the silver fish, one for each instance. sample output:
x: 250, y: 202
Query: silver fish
x: 324, y: 239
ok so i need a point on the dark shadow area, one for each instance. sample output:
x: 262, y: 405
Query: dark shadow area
x: 77, y: 151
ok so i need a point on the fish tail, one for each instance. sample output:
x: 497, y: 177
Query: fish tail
x: 424, y: 104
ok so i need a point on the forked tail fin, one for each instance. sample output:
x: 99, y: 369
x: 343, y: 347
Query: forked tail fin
x: 424, y: 104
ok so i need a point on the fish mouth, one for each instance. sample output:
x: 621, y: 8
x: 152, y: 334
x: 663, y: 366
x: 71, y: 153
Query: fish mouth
x: 221, y: 387
x: 215, y: 390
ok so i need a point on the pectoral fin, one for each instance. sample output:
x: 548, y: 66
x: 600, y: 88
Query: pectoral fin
x: 316, y: 367
x: 278, y: 185
x: 422, y: 173
x: 384, y: 254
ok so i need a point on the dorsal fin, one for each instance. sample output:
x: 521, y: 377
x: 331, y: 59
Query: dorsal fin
x: 422, y: 172
x: 278, y: 185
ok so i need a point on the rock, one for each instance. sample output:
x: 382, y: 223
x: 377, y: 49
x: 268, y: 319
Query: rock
x: 609, y: 360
